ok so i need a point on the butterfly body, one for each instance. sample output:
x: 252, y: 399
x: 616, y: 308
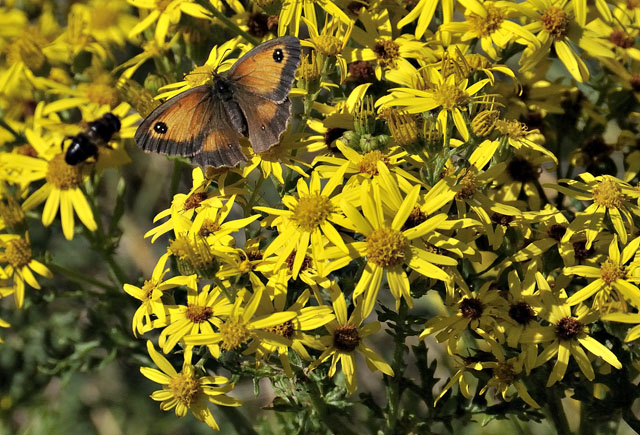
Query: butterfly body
x: 251, y: 100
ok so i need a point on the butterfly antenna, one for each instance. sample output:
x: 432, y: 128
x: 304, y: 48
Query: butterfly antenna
x: 218, y: 66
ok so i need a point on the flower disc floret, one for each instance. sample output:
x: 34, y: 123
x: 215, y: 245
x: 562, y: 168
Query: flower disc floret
x: 611, y: 271
x: 18, y: 253
x: 485, y: 26
x: 471, y: 308
x: 328, y: 45
x: 234, y: 334
x: 369, y: 162
x: 556, y: 22
x: 387, y: 52
x: 386, y: 247
x: 450, y: 96
x: 346, y: 338
x: 311, y: 211
x: 522, y: 313
x: 62, y: 175
x: 198, y: 314
x: 607, y: 193
x: 185, y: 388
x: 285, y: 329
x: 568, y: 328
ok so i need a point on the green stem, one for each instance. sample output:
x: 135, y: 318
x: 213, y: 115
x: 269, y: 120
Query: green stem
x: 228, y: 23
x: 393, y: 387
x: 230, y: 295
x: 555, y: 412
x: 79, y: 277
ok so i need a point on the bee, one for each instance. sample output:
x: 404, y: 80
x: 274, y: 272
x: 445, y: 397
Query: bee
x: 85, y: 145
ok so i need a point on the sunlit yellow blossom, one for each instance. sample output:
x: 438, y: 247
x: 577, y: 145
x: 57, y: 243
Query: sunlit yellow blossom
x: 150, y: 294
x: 388, y: 245
x: 615, y: 281
x: 292, y: 11
x: 242, y: 326
x: 611, y: 198
x: 489, y: 21
x: 346, y: 335
x: 565, y: 336
x: 164, y: 14
x: 203, y: 310
x: 185, y: 390
x: 309, y: 219
x: 18, y: 255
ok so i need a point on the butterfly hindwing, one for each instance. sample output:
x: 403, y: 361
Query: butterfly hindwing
x: 268, y: 70
x: 266, y: 120
x: 193, y: 124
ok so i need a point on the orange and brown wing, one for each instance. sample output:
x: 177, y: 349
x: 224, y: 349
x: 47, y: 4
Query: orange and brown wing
x: 266, y: 120
x: 192, y: 124
x: 268, y: 70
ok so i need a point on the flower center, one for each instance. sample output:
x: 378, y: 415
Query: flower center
x: 485, y: 26
x: 194, y: 255
x: 27, y: 49
x: 346, y: 338
x: 386, y: 247
x: 416, y: 217
x: 185, y: 388
x: 607, y: 193
x: 522, y: 313
x: 328, y: 45
x: 209, y: 227
x: 312, y: 211
x: 556, y: 22
x: 62, y: 175
x: 194, y: 200
x: 522, y: 170
x: 233, y: 334
x: 580, y: 250
x: 362, y: 71
x: 17, y: 253
x: 512, y: 128
x: 387, y: 52
x: 471, y: 308
x: 147, y: 288
x: 621, y: 39
x: 369, y: 163
x: 103, y: 94
x: 450, y: 96
x: 468, y: 186
x: 198, y: 314
x: 611, y: 271
x: 556, y: 231
x: 306, y: 263
x: 568, y: 328
x: 285, y: 329
x: 504, y: 373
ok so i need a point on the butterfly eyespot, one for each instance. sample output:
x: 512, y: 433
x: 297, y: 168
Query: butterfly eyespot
x: 278, y: 55
x: 230, y: 145
x: 262, y: 127
x: 160, y: 127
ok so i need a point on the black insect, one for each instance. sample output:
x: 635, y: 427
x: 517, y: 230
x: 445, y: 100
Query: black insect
x: 85, y: 145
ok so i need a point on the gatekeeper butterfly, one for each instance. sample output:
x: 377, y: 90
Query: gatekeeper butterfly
x: 205, y: 123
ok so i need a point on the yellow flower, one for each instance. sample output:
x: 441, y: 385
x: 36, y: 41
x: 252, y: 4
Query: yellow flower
x: 554, y: 24
x: 346, y: 337
x: 615, y: 281
x: 451, y: 95
x: 489, y: 22
x: 564, y: 336
x: 242, y: 325
x: 307, y: 319
x: 611, y: 197
x: 150, y: 294
x: 308, y: 221
x: 424, y: 12
x: 198, y: 317
x: 18, y: 254
x: 291, y: 13
x: 164, y: 14
x: 185, y: 391
x: 61, y: 190
x: 388, y: 245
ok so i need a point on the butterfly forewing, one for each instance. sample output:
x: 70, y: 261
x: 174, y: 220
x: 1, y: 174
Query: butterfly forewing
x: 268, y: 70
x: 192, y: 124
